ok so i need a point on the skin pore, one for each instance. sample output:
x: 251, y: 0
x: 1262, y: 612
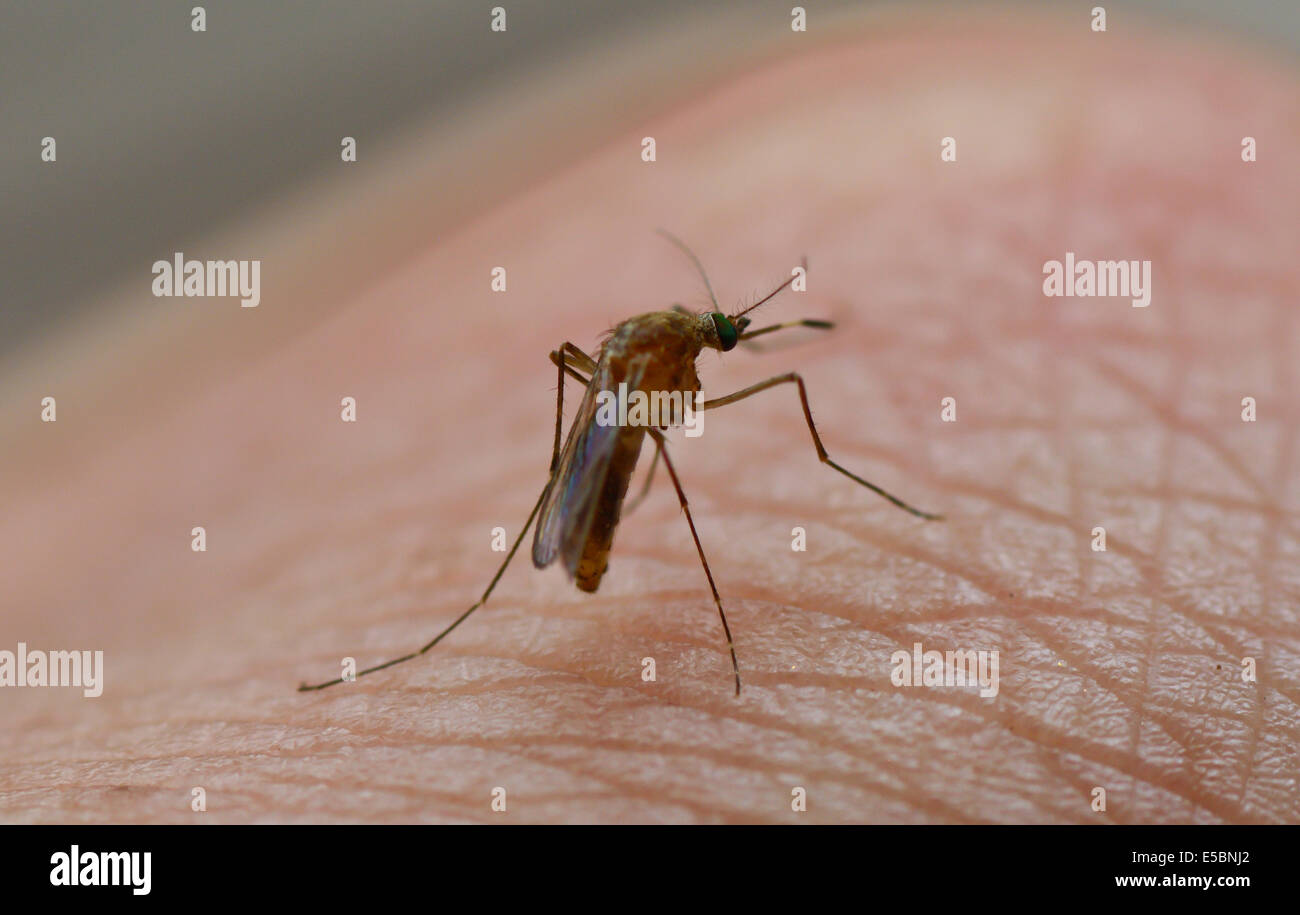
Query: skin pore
x: 1118, y: 669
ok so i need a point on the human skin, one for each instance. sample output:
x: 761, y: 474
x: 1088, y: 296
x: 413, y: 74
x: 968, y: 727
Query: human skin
x: 1119, y: 669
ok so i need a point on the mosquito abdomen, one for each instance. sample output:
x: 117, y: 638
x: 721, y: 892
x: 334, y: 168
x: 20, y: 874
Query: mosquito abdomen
x: 595, y: 551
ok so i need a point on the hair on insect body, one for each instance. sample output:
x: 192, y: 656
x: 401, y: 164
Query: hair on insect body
x: 580, y: 506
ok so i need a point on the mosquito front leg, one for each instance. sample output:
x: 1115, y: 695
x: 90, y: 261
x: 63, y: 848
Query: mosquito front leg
x: 747, y: 338
x: 805, y: 322
x: 794, y: 378
x: 681, y: 497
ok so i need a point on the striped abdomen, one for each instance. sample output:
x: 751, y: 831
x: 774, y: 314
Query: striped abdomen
x: 595, y: 551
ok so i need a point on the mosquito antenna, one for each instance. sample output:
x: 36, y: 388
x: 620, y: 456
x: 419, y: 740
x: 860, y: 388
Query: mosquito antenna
x: 802, y: 263
x: 695, y: 260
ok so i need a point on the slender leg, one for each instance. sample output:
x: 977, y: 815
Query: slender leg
x: 574, y: 373
x: 564, y: 358
x: 806, y: 322
x: 559, y: 425
x: 681, y: 497
x: 645, y: 488
x: 574, y: 357
x: 794, y: 378
x: 555, y: 457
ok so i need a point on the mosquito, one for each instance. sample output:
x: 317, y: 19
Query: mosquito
x: 580, y: 506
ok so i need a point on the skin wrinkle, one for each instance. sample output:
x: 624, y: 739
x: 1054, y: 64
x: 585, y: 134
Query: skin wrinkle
x: 1118, y: 669
x: 1286, y: 325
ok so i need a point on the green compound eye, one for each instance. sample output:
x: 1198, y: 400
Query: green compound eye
x: 727, y: 335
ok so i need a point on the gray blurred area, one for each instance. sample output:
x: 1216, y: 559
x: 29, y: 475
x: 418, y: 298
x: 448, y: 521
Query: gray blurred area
x: 165, y: 135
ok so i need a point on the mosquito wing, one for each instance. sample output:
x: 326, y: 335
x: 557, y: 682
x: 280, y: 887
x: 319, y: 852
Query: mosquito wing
x: 574, y: 493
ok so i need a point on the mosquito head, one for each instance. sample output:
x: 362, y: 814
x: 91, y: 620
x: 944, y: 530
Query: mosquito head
x: 721, y: 332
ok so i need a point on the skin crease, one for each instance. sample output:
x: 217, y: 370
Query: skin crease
x: 1119, y: 669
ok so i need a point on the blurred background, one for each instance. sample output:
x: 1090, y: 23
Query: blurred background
x: 166, y: 136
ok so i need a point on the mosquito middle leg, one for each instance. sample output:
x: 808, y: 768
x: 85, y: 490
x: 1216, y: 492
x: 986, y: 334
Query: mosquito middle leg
x: 681, y: 497
x: 645, y: 487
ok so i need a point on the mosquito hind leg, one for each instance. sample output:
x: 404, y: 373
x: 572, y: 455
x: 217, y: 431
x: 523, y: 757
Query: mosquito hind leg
x: 566, y: 348
x: 681, y: 497
x: 574, y: 357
